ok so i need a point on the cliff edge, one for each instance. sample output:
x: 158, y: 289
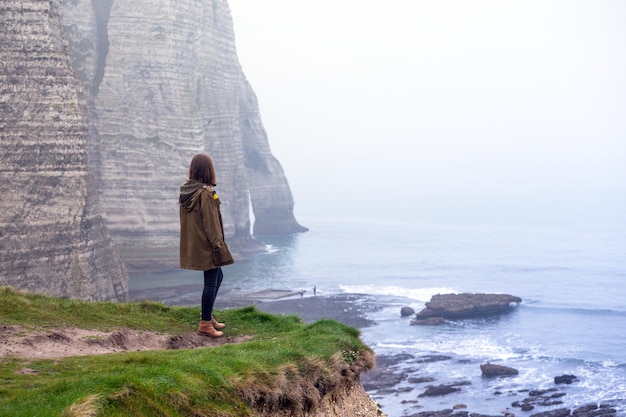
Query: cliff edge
x: 146, y: 359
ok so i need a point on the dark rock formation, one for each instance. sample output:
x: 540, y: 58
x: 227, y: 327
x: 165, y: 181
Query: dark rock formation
x: 595, y: 410
x: 491, y: 370
x: 391, y: 370
x: 406, y: 311
x: 559, y: 412
x: 420, y: 379
x: 450, y: 413
x: 592, y: 410
x: 163, y: 82
x: 543, y: 398
x: 439, y: 390
x: 565, y: 379
x: 462, y: 306
x: 430, y: 321
x: 443, y: 389
x: 386, y: 374
x: 394, y: 372
x: 52, y: 239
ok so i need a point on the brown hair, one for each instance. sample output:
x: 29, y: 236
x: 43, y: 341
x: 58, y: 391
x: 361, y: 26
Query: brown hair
x: 202, y: 169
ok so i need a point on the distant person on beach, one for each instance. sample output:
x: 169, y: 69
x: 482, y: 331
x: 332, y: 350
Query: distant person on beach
x: 202, y: 245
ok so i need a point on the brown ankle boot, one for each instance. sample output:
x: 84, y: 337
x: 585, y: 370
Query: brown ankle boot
x: 206, y: 329
x: 217, y: 325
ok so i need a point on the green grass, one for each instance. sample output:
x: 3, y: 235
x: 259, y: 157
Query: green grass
x: 286, y: 364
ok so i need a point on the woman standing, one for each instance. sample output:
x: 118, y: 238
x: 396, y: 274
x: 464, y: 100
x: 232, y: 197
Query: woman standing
x: 202, y: 245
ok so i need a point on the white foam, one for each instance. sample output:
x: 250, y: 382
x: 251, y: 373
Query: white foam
x: 269, y: 248
x: 421, y: 295
x: 476, y: 347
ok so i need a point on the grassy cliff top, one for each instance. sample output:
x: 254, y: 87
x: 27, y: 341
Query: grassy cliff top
x: 266, y: 364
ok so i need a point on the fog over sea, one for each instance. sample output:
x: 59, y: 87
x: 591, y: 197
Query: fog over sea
x: 565, y: 259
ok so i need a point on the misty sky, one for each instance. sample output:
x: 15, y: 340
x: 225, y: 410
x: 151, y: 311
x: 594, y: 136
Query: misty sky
x: 409, y: 99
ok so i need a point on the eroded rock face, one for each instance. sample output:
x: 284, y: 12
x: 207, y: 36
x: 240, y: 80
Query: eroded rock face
x: 52, y: 239
x: 164, y: 83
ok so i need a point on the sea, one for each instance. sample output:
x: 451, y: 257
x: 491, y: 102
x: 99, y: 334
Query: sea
x: 565, y: 259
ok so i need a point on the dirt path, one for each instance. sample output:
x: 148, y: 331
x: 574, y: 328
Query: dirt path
x: 16, y: 341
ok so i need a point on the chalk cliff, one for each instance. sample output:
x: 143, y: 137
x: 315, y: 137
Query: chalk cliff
x: 102, y: 105
x: 52, y: 239
x: 163, y: 82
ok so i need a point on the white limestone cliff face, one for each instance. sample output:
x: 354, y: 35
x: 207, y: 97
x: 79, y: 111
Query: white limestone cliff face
x: 269, y: 191
x: 52, y: 239
x: 164, y: 83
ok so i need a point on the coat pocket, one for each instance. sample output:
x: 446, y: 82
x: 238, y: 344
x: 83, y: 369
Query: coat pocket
x: 222, y: 255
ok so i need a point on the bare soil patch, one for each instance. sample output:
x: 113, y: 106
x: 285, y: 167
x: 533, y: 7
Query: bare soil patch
x: 17, y: 341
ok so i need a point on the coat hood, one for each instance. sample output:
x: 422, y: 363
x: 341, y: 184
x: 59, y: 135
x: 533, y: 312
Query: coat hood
x: 189, y: 194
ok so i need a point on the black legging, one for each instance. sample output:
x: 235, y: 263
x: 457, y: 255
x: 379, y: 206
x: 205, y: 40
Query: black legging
x: 212, y: 282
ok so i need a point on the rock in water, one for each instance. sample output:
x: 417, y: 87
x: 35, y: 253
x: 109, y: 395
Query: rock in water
x: 491, y: 370
x: 462, y: 306
x: 443, y: 389
x: 406, y: 311
x: 52, y: 239
x: 430, y: 321
x: 565, y: 379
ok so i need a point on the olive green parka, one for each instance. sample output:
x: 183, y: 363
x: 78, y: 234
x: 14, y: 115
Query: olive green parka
x: 202, y: 245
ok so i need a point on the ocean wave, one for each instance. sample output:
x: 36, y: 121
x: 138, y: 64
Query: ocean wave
x: 420, y: 295
x: 269, y: 248
x: 476, y: 347
x: 589, y: 311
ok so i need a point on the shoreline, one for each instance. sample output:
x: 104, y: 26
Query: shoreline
x: 344, y: 308
x: 399, y: 380
x: 348, y: 309
x: 398, y: 374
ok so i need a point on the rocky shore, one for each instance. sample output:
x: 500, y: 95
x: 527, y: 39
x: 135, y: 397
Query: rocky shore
x: 401, y: 376
x: 551, y: 402
x: 395, y: 374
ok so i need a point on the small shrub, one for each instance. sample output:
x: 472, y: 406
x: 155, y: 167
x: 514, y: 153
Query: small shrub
x: 349, y: 356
